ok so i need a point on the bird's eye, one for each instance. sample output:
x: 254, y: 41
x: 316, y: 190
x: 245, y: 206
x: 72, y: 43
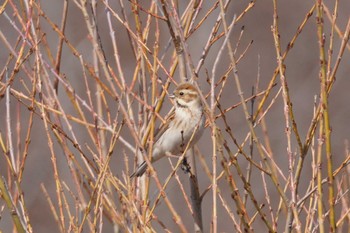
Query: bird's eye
x: 181, y: 93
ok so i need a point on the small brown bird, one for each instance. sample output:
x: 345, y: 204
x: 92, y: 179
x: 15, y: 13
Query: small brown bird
x: 188, y: 119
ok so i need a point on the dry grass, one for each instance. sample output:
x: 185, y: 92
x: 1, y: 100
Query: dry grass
x: 84, y: 86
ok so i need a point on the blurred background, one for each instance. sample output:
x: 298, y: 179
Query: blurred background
x: 252, y: 36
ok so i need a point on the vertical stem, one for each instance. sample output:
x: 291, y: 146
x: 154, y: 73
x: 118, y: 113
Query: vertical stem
x: 9, y: 128
x: 325, y: 115
x: 288, y: 114
x: 196, y: 200
x: 214, y: 178
x: 319, y: 181
x: 60, y: 43
x: 6, y: 196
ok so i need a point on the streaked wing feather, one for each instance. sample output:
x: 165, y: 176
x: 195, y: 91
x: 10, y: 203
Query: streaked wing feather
x: 162, y: 128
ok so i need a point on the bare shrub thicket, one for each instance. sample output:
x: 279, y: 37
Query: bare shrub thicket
x: 83, y: 89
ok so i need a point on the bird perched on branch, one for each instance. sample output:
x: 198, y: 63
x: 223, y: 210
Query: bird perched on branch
x: 182, y: 129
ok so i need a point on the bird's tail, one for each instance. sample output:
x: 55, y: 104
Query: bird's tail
x: 140, y: 170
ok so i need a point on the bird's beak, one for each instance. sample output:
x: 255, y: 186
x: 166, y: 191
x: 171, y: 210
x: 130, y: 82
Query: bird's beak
x: 171, y: 96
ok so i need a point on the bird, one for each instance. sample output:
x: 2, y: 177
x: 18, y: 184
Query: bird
x: 185, y: 125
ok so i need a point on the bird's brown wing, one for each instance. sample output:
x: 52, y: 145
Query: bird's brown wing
x: 163, y: 127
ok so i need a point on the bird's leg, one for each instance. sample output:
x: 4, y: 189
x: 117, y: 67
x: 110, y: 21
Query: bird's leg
x: 182, y: 145
x: 185, y: 166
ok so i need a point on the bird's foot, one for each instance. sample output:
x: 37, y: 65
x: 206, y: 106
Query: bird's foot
x: 185, y: 166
